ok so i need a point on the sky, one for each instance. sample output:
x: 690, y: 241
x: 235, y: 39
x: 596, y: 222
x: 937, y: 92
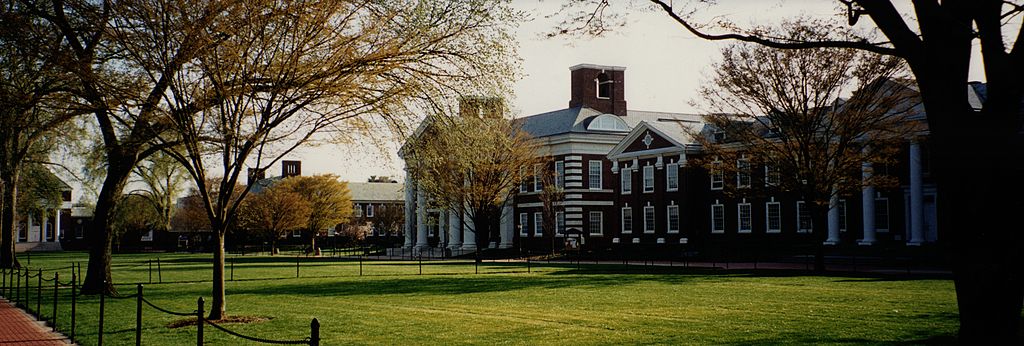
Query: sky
x: 665, y: 65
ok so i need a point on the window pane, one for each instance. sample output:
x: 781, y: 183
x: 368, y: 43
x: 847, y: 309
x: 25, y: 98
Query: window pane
x: 672, y: 177
x: 560, y: 174
x: 627, y: 220
x: 594, y: 173
x: 648, y: 178
x: 718, y: 218
x: 774, y: 211
x: 648, y: 219
x: 882, y: 213
x: 596, y: 222
x: 673, y: 218
x: 538, y: 224
x: 744, y: 217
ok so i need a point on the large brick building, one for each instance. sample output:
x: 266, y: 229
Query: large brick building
x: 627, y: 180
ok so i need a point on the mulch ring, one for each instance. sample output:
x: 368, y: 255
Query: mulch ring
x: 191, y: 321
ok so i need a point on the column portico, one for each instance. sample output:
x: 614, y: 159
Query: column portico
x: 833, y: 221
x: 421, y: 220
x: 410, y: 211
x: 868, y: 205
x: 916, y: 196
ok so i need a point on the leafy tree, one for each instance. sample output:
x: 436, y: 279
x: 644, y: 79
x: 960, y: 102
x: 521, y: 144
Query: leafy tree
x: 164, y: 180
x: 472, y: 164
x: 329, y: 198
x: 788, y: 110
x: 274, y: 212
x: 135, y: 216
x: 935, y: 38
x: 284, y: 72
x: 33, y: 108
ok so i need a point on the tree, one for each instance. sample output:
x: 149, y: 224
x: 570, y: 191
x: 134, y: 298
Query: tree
x: 935, y: 40
x: 388, y: 219
x: 33, y: 108
x: 551, y: 196
x: 329, y: 201
x: 163, y: 178
x: 786, y: 111
x: 472, y: 164
x: 283, y: 72
x: 135, y: 216
x: 273, y: 212
x: 190, y: 214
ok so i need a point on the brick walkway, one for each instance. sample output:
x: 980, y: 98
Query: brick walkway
x: 19, y: 328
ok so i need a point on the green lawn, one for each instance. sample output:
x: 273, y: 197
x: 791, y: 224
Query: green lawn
x: 449, y: 304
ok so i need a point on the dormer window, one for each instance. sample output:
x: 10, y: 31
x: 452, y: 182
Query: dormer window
x: 604, y: 86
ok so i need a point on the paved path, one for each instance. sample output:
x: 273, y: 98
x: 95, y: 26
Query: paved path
x: 19, y: 328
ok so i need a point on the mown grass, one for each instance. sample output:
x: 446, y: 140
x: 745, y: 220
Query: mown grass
x: 554, y: 304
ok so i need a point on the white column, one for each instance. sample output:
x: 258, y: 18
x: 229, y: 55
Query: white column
x: 507, y: 226
x: 833, y: 220
x: 916, y: 196
x: 868, y: 203
x: 42, y: 230
x: 56, y: 227
x: 454, y: 230
x: 29, y: 232
x: 469, y: 234
x: 410, y: 210
x: 421, y: 219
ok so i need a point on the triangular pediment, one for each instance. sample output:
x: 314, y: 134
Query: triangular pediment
x: 645, y: 138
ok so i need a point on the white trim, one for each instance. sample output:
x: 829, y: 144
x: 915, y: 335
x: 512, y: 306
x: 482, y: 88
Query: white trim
x: 567, y: 203
x: 653, y: 220
x: 739, y: 217
x: 624, y: 186
x: 673, y: 168
x: 716, y: 173
x: 668, y: 218
x: 524, y: 224
x: 720, y: 207
x: 768, y: 173
x: 648, y: 189
x: 740, y: 163
x: 560, y: 174
x: 538, y: 183
x: 596, y: 67
x: 590, y: 223
x: 369, y: 210
x: 590, y: 174
x: 559, y: 223
x: 538, y: 224
x: 798, y: 216
x: 767, y: 216
x: 622, y: 220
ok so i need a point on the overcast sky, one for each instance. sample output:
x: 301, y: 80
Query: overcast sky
x: 664, y: 67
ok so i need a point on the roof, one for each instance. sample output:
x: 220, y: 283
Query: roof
x: 377, y: 192
x: 576, y: 120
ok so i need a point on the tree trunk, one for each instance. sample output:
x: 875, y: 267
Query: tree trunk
x: 218, y: 302
x: 97, y: 277
x: 819, y: 226
x: 8, y: 221
x: 986, y: 240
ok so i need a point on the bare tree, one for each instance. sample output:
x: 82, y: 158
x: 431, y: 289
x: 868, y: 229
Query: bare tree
x: 552, y: 196
x: 936, y: 40
x: 787, y: 113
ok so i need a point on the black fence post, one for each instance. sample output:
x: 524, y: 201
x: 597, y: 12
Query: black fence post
x: 74, y: 303
x: 314, y: 332
x: 297, y: 266
x: 103, y: 299
x: 159, y: 271
x: 421, y: 264
x: 232, y: 270
x: 199, y: 322
x: 528, y: 269
x: 17, y: 287
x: 150, y: 271
x: 138, y: 314
x: 56, y: 285
x: 360, y: 265
x: 39, y: 295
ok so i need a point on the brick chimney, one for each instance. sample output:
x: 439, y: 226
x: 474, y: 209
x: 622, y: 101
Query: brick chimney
x: 291, y: 168
x: 599, y: 87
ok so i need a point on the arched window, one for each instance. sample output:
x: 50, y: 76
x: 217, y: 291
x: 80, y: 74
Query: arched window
x: 604, y: 86
x: 607, y: 122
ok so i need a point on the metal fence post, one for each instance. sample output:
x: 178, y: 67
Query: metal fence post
x: 74, y: 304
x: 39, y: 295
x: 103, y: 299
x: 56, y: 285
x: 421, y: 264
x: 17, y: 288
x: 150, y: 271
x: 138, y: 314
x: 360, y: 265
x: 199, y: 322
x: 314, y: 332
x: 159, y: 271
x: 297, y: 266
x: 232, y: 270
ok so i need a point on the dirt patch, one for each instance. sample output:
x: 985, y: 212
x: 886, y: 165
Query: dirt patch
x: 191, y: 321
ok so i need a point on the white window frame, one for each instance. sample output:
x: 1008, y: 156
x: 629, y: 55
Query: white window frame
x: 772, y: 177
x: 597, y: 90
x: 524, y: 186
x: 768, y: 217
x: 749, y: 218
x: 560, y: 174
x: 524, y: 224
x: 717, y: 223
x: 743, y: 176
x: 600, y: 223
x: 672, y: 177
x: 626, y: 182
x: 538, y: 224
x: 627, y: 227
x: 650, y: 219
x: 648, y: 171
x: 669, y: 211
x: 359, y: 210
x: 717, y: 176
x: 369, y: 210
x: 538, y: 183
x: 803, y: 205
x: 591, y: 174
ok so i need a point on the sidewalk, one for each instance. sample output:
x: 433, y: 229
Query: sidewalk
x: 18, y: 328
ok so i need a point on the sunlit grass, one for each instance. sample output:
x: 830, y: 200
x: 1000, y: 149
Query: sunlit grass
x: 391, y: 303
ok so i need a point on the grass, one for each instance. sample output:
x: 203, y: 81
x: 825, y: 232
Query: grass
x: 555, y: 304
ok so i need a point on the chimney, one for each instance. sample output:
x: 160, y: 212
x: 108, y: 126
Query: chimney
x: 291, y: 168
x: 481, y: 106
x: 599, y: 87
x: 255, y: 175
